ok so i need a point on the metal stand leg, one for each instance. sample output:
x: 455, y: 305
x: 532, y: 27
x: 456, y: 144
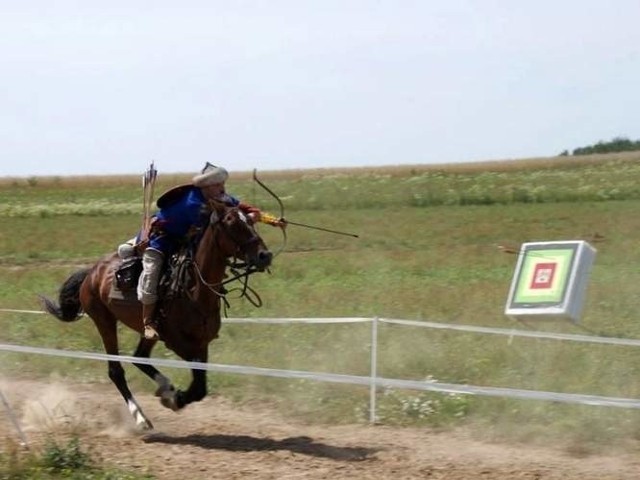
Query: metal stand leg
x: 14, y: 420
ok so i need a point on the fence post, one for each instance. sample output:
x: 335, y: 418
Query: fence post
x: 374, y: 370
x: 23, y: 439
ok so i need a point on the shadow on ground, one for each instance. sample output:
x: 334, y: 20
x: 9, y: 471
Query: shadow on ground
x: 245, y: 443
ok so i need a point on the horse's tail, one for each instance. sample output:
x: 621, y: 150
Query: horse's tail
x: 70, y: 307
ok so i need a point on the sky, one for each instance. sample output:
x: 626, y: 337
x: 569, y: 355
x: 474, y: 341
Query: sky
x: 106, y: 87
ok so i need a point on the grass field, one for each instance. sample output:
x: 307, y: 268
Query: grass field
x: 428, y: 249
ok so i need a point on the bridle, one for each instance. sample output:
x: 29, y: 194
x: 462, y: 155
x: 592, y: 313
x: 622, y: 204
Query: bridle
x: 241, y: 245
x: 240, y: 270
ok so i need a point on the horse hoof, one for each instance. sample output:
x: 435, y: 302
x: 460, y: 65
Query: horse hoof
x: 165, y: 389
x: 145, y: 425
x: 169, y: 399
x: 142, y: 422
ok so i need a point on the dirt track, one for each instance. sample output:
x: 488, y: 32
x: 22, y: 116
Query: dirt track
x: 215, y: 439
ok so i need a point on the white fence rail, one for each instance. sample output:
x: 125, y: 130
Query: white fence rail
x: 372, y: 381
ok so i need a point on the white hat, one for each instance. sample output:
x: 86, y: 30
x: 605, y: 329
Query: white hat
x: 209, y: 175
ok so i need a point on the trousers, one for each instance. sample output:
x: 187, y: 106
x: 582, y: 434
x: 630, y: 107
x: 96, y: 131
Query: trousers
x: 152, y: 261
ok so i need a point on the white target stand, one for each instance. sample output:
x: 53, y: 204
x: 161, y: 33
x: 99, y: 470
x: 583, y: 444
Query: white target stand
x: 550, y: 280
x: 14, y: 421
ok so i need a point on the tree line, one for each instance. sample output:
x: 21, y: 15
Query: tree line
x: 618, y: 144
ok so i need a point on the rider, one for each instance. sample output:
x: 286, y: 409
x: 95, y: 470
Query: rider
x: 182, y: 212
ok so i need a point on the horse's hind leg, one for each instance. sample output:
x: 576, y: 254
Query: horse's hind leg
x: 117, y: 376
x: 143, y: 350
x: 106, y: 324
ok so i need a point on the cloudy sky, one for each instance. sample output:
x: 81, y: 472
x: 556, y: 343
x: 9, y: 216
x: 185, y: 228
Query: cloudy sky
x: 105, y: 87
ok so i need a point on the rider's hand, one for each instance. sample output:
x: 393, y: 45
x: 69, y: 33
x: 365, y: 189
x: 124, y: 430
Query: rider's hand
x: 254, y: 217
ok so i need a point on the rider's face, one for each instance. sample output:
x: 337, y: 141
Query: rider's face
x: 213, y: 191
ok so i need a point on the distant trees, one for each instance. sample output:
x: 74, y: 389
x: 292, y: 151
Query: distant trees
x: 618, y: 144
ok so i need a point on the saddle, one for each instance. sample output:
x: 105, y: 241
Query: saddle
x: 127, y: 274
x: 176, y: 278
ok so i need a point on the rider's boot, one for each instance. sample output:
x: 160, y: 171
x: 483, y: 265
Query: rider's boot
x: 149, y: 321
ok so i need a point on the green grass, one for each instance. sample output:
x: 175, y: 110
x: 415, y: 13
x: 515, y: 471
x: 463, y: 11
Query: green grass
x: 436, y: 259
x: 58, y: 460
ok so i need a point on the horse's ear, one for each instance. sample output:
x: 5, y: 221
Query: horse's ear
x: 217, y: 210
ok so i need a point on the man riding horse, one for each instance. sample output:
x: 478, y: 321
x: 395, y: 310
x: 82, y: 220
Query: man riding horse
x: 183, y: 213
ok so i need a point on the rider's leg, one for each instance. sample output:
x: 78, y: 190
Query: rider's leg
x: 152, y: 261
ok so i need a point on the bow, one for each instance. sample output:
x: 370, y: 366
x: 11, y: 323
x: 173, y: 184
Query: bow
x: 273, y: 194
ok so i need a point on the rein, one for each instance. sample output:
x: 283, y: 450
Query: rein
x: 246, y: 291
x: 240, y: 271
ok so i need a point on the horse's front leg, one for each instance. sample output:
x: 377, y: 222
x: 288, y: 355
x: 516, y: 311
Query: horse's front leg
x: 178, y: 399
x: 143, y: 350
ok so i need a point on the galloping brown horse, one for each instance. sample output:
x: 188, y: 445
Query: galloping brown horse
x: 189, y: 322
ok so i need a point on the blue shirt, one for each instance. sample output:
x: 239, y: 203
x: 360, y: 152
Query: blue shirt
x: 189, y: 213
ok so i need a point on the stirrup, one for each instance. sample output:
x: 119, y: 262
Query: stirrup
x: 150, y: 332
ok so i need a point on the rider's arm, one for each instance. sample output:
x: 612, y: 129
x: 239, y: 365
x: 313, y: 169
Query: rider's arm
x: 258, y: 215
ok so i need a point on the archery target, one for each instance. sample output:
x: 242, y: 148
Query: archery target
x: 550, y: 279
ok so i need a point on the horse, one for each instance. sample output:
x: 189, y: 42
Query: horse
x: 189, y: 322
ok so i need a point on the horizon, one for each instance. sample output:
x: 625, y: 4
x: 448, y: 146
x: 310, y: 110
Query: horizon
x: 472, y: 166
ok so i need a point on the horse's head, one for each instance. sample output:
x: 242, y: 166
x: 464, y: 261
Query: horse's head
x: 236, y: 237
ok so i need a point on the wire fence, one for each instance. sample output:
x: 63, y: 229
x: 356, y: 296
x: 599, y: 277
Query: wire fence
x: 373, y: 381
